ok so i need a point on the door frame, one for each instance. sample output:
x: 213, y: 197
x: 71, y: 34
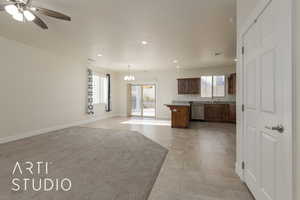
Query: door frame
x: 142, y: 93
x: 289, y: 86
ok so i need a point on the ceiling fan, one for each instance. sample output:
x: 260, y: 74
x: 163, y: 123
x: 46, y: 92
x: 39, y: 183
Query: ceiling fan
x: 23, y: 10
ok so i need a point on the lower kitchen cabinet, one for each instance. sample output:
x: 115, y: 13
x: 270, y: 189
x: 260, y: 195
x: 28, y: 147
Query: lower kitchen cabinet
x: 214, y: 112
x: 231, y: 113
x: 220, y: 113
x: 180, y: 116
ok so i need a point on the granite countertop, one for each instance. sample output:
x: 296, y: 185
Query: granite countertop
x: 179, y: 104
x: 204, y: 102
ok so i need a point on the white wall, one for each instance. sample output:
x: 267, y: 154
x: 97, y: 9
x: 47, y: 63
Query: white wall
x: 39, y: 89
x: 244, y: 9
x: 297, y: 67
x: 166, y: 82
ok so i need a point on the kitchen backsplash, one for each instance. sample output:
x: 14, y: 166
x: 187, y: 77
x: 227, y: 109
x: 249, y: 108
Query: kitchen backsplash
x: 199, y: 98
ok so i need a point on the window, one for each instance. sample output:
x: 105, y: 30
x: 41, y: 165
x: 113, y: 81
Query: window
x: 219, y: 86
x: 96, y: 90
x: 206, y: 86
x: 212, y: 86
x: 103, y: 90
x: 100, y: 90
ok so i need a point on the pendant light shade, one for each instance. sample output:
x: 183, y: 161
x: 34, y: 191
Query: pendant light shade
x: 129, y: 77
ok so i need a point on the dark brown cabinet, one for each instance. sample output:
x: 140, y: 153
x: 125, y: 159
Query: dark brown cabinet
x: 189, y: 86
x: 232, y: 84
x: 231, y: 113
x: 220, y: 113
x: 214, y: 112
x: 180, y: 116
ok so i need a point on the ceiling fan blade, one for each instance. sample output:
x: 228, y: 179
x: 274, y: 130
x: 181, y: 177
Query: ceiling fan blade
x: 28, y: 3
x: 12, y: 1
x: 52, y: 13
x: 2, y: 7
x: 39, y: 22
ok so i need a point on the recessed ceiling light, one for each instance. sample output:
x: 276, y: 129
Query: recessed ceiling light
x: 175, y: 61
x: 99, y: 55
x: 144, y: 42
x: 236, y: 60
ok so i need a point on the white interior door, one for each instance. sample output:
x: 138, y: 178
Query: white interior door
x: 267, y: 132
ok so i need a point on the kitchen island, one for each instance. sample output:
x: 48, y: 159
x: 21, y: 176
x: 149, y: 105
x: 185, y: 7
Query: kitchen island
x: 180, y: 114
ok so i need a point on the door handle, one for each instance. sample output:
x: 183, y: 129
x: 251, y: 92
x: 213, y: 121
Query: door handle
x: 278, y: 128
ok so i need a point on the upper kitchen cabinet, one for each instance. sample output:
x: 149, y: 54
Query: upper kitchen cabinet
x: 232, y: 84
x: 189, y: 86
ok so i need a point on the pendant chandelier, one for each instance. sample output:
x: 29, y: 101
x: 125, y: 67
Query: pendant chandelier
x: 129, y: 77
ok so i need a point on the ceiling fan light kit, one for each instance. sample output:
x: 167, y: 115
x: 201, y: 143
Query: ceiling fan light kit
x: 11, y: 9
x: 19, y: 14
x: 28, y: 15
x: 22, y: 10
x: 19, y: 17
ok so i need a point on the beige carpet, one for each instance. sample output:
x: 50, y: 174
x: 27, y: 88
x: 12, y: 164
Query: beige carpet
x: 101, y: 165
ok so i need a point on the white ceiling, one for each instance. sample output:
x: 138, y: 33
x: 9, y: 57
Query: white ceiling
x: 190, y: 31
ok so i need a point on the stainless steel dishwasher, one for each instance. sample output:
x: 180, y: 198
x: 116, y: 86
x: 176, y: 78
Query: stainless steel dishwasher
x: 197, y: 111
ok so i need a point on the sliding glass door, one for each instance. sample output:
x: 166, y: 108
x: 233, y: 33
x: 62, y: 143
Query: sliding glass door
x: 149, y: 101
x: 136, y: 100
x: 143, y: 100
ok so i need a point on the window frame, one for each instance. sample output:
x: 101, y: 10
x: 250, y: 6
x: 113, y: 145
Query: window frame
x: 103, y: 95
x: 212, y: 86
x: 213, y: 78
x: 98, y: 94
x: 201, y: 90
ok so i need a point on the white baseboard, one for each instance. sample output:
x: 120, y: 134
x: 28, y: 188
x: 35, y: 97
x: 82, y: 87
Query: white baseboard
x: 162, y: 117
x: 123, y: 115
x: 54, y: 128
x: 107, y: 116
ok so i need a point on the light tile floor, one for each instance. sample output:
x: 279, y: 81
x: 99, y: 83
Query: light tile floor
x: 200, y: 162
